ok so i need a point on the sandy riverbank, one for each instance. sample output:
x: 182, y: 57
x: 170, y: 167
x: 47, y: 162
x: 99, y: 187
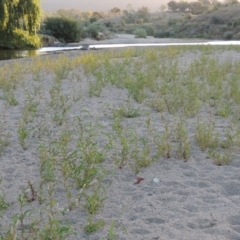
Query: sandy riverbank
x: 193, y: 200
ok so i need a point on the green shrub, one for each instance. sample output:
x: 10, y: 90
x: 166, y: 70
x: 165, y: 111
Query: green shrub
x: 236, y: 36
x: 93, y: 29
x: 217, y: 20
x: 228, y: 35
x: 108, y: 24
x: 140, y: 21
x: 149, y: 29
x: 188, y: 16
x: 93, y: 19
x: 62, y: 28
x: 172, y: 21
x: 140, y: 33
x: 162, y: 34
x: 236, y: 22
x: 130, y: 30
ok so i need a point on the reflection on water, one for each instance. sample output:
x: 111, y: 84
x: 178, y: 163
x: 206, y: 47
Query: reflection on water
x: 12, y: 54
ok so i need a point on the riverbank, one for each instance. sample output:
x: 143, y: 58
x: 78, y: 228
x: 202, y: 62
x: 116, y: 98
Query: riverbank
x: 94, y: 126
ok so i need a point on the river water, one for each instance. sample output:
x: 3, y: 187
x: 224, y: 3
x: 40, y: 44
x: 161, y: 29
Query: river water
x: 13, y: 54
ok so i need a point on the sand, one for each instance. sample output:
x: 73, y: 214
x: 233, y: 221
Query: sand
x: 193, y: 200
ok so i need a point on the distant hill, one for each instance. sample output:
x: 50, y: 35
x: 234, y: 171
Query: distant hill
x: 223, y: 23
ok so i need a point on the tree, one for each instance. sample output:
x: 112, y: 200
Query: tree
x: 183, y: 6
x: 19, y: 16
x: 143, y: 13
x: 197, y: 7
x: 97, y: 15
x: 163, y: 8
x: 129, y: 15
x: 115, y: 11
x: 172, y: 6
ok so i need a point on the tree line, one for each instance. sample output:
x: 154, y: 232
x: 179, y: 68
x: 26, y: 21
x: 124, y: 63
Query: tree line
x: 196, y: 7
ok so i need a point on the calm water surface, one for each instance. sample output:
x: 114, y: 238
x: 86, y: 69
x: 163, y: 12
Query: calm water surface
x: 13, y: 54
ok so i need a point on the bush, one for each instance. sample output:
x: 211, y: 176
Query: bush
x: 93, y: 19
x: 236, y: 22
x: 162, y: 34
x: 93, y: 29
x: 62, y: 28
x: 130, y: 30
x: 189, y: 16
x: 140, y: 33
x: 217, y: 20
x: 108, y: 24
x: 236, y: 36
x: 149, y: 29
x: 228, y: 35
x: 172, y: 21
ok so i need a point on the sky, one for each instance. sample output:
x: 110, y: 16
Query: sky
x: 104, y: 5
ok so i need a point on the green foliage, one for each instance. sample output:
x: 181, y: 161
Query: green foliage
x: 172, y: 21
x: 143, y: 14
x: 140, y: 33
x: 228, y: 35
x: 129, y: 15
x: 149, y: 29
x: 172, y: 5
x: 93, y: 29
x: 21, y: 39
x: 162, y: 34
x: 63, y: 29
x: 93, y: 19
x: 3, y: 204
x: 93, y: 226
x: 217, y: 20
x: 19, y: 22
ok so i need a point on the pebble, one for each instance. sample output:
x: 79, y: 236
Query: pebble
x: 156, y: 180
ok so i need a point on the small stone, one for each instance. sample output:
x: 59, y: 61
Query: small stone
x: 156, y: 180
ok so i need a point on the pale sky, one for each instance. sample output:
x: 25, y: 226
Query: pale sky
x: 105, y: 5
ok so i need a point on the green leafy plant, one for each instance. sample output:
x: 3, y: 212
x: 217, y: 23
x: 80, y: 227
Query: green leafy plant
x: 220, y: 159
x: 206, y: 135
x: 3, y: 203
x: 182, y: 139
x: 111, y: 234
x: 92, y: 226
x: 23, y: 133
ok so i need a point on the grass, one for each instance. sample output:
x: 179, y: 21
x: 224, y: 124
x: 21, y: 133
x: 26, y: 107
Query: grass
x: 166, y: 108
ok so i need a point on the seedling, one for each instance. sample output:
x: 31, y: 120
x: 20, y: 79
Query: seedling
x: 182, y: 140
x: 23, y: 133
x: 93, y: 226
x: 220, y: 159
x: 206, y: 136
x: 111, y: 234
